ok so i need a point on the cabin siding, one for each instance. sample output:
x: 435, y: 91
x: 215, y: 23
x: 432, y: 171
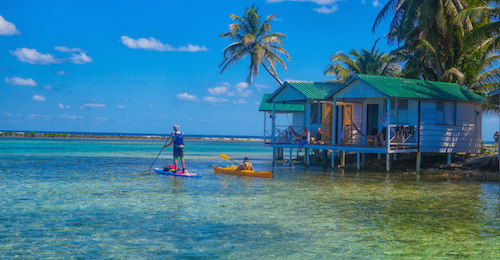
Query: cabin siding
x: 298, y: 121
x: 464, y: 136
x: 288, y: 94
x: 359, y: 89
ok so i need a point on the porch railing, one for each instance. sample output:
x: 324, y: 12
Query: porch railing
x: 403, y: 137
x: 282, y: 135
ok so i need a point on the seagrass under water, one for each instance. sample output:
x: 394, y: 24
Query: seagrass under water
x: 90, y: 198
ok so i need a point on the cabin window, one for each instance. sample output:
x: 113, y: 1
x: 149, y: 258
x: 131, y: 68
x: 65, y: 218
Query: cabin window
x: 316, y: 112
x: 402, y: 111
x: 399, y: 111
x: 446, y: 113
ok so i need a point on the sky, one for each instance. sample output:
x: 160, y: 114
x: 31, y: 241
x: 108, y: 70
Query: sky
x: 142, y: 66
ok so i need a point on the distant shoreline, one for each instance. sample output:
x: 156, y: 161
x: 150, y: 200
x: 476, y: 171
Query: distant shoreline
x: 9, y: 134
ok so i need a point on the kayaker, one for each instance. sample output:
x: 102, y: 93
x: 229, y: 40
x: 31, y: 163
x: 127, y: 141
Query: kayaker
x: 177, y: 139
x: 245, y: 165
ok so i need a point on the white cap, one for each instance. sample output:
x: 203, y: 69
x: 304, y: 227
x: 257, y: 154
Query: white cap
x: 176, y: 127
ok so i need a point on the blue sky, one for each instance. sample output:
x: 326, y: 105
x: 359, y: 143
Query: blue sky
x: 82, y: 65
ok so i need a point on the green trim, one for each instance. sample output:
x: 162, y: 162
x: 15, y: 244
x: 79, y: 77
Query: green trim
x: 265, y: 106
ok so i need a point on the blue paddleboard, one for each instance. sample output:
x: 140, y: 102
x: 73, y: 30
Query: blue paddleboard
x: 178, y: 173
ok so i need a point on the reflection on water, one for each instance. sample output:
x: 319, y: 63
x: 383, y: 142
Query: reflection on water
x: 77, y: 198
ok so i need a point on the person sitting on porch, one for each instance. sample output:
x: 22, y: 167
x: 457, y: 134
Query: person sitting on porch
x: 245, y: 165
x: 317, y: 139
x: 382, y: 135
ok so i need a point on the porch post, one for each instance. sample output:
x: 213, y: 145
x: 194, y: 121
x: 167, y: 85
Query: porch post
x: 265, y: 119
x: 419, y: 154
x: 334, y: 122
x: 273, y: 127
x: 308, y: 120
x: 388, y: 137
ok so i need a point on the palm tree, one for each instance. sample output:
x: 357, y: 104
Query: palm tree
x: 372, y: 62
x: 253, y: 37
x: 433, y: 41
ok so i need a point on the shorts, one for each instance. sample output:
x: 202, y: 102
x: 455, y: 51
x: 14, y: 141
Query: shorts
x: 178, y: 152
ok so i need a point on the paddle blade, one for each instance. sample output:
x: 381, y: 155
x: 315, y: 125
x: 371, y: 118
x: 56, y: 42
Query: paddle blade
x: 225, y: 157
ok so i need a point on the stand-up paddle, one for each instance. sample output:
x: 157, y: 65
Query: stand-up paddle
x: 163, y: 146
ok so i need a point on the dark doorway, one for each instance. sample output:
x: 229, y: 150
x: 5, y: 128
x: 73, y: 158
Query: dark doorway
x: 339, y: 117
x: 371, y: 119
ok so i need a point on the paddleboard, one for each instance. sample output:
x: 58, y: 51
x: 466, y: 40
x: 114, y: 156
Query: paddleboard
x: 176, y: 173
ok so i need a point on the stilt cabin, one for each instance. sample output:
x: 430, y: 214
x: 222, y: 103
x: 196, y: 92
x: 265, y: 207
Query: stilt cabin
x: 382, y: 115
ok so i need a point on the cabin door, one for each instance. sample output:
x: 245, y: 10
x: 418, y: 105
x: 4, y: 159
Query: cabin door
x: 371, y: 119
x: 348, y: 124
x: 327, y: 123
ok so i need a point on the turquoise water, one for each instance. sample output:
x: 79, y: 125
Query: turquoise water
x: 91, y: 198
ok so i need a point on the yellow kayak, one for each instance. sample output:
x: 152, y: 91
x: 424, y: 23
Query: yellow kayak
x: 233, y: 170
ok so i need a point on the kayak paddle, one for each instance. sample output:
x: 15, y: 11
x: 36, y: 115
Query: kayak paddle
x: 168, y: 139
x: 225, y: 157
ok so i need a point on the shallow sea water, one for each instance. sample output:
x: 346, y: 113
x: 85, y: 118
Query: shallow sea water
x: 91, y: 199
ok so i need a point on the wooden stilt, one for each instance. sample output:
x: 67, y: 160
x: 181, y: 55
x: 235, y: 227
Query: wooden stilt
x: 307, y: 156
x: 379, y: 157
x: 363, y: 160
x: 448, y: 159
x: 387, y: 162
x: 419, y: 158
x: 357, y: 161
x: 291, y: 157
x: 333, y: 159
x: 342, y: 158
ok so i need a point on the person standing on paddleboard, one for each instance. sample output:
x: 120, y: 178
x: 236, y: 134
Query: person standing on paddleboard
x: 177, y: 139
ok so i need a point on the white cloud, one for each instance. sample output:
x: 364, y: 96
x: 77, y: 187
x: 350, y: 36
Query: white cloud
x: 242, y: 90
x: 261, y: 86
x: 121, y: 106
x: 20, y: 81
x: 32, y: 56
x: 240, y: 101
x: 47, y: 87
x: 93, y: 105
x: 217, y: 91
x: 326, y: 9
x: 215, y: 99
x: 72, y: 117
x: 61, y: 72
x: 62, y: 106
x: 7, y: 28
x: 67, y: 49
x: 326, y: 6
x: 186, y: 96
x: 153, y: 44
x: 38, y: 98
x: 101, y: 118
x: 376, y: 3
x: 80, y: 58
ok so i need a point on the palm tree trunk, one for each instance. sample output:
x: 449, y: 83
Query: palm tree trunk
x: 272, y: 74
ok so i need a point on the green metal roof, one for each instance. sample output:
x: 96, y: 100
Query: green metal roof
x: 420, y: 89
x: 314, y: 90
x: 264, y: 106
